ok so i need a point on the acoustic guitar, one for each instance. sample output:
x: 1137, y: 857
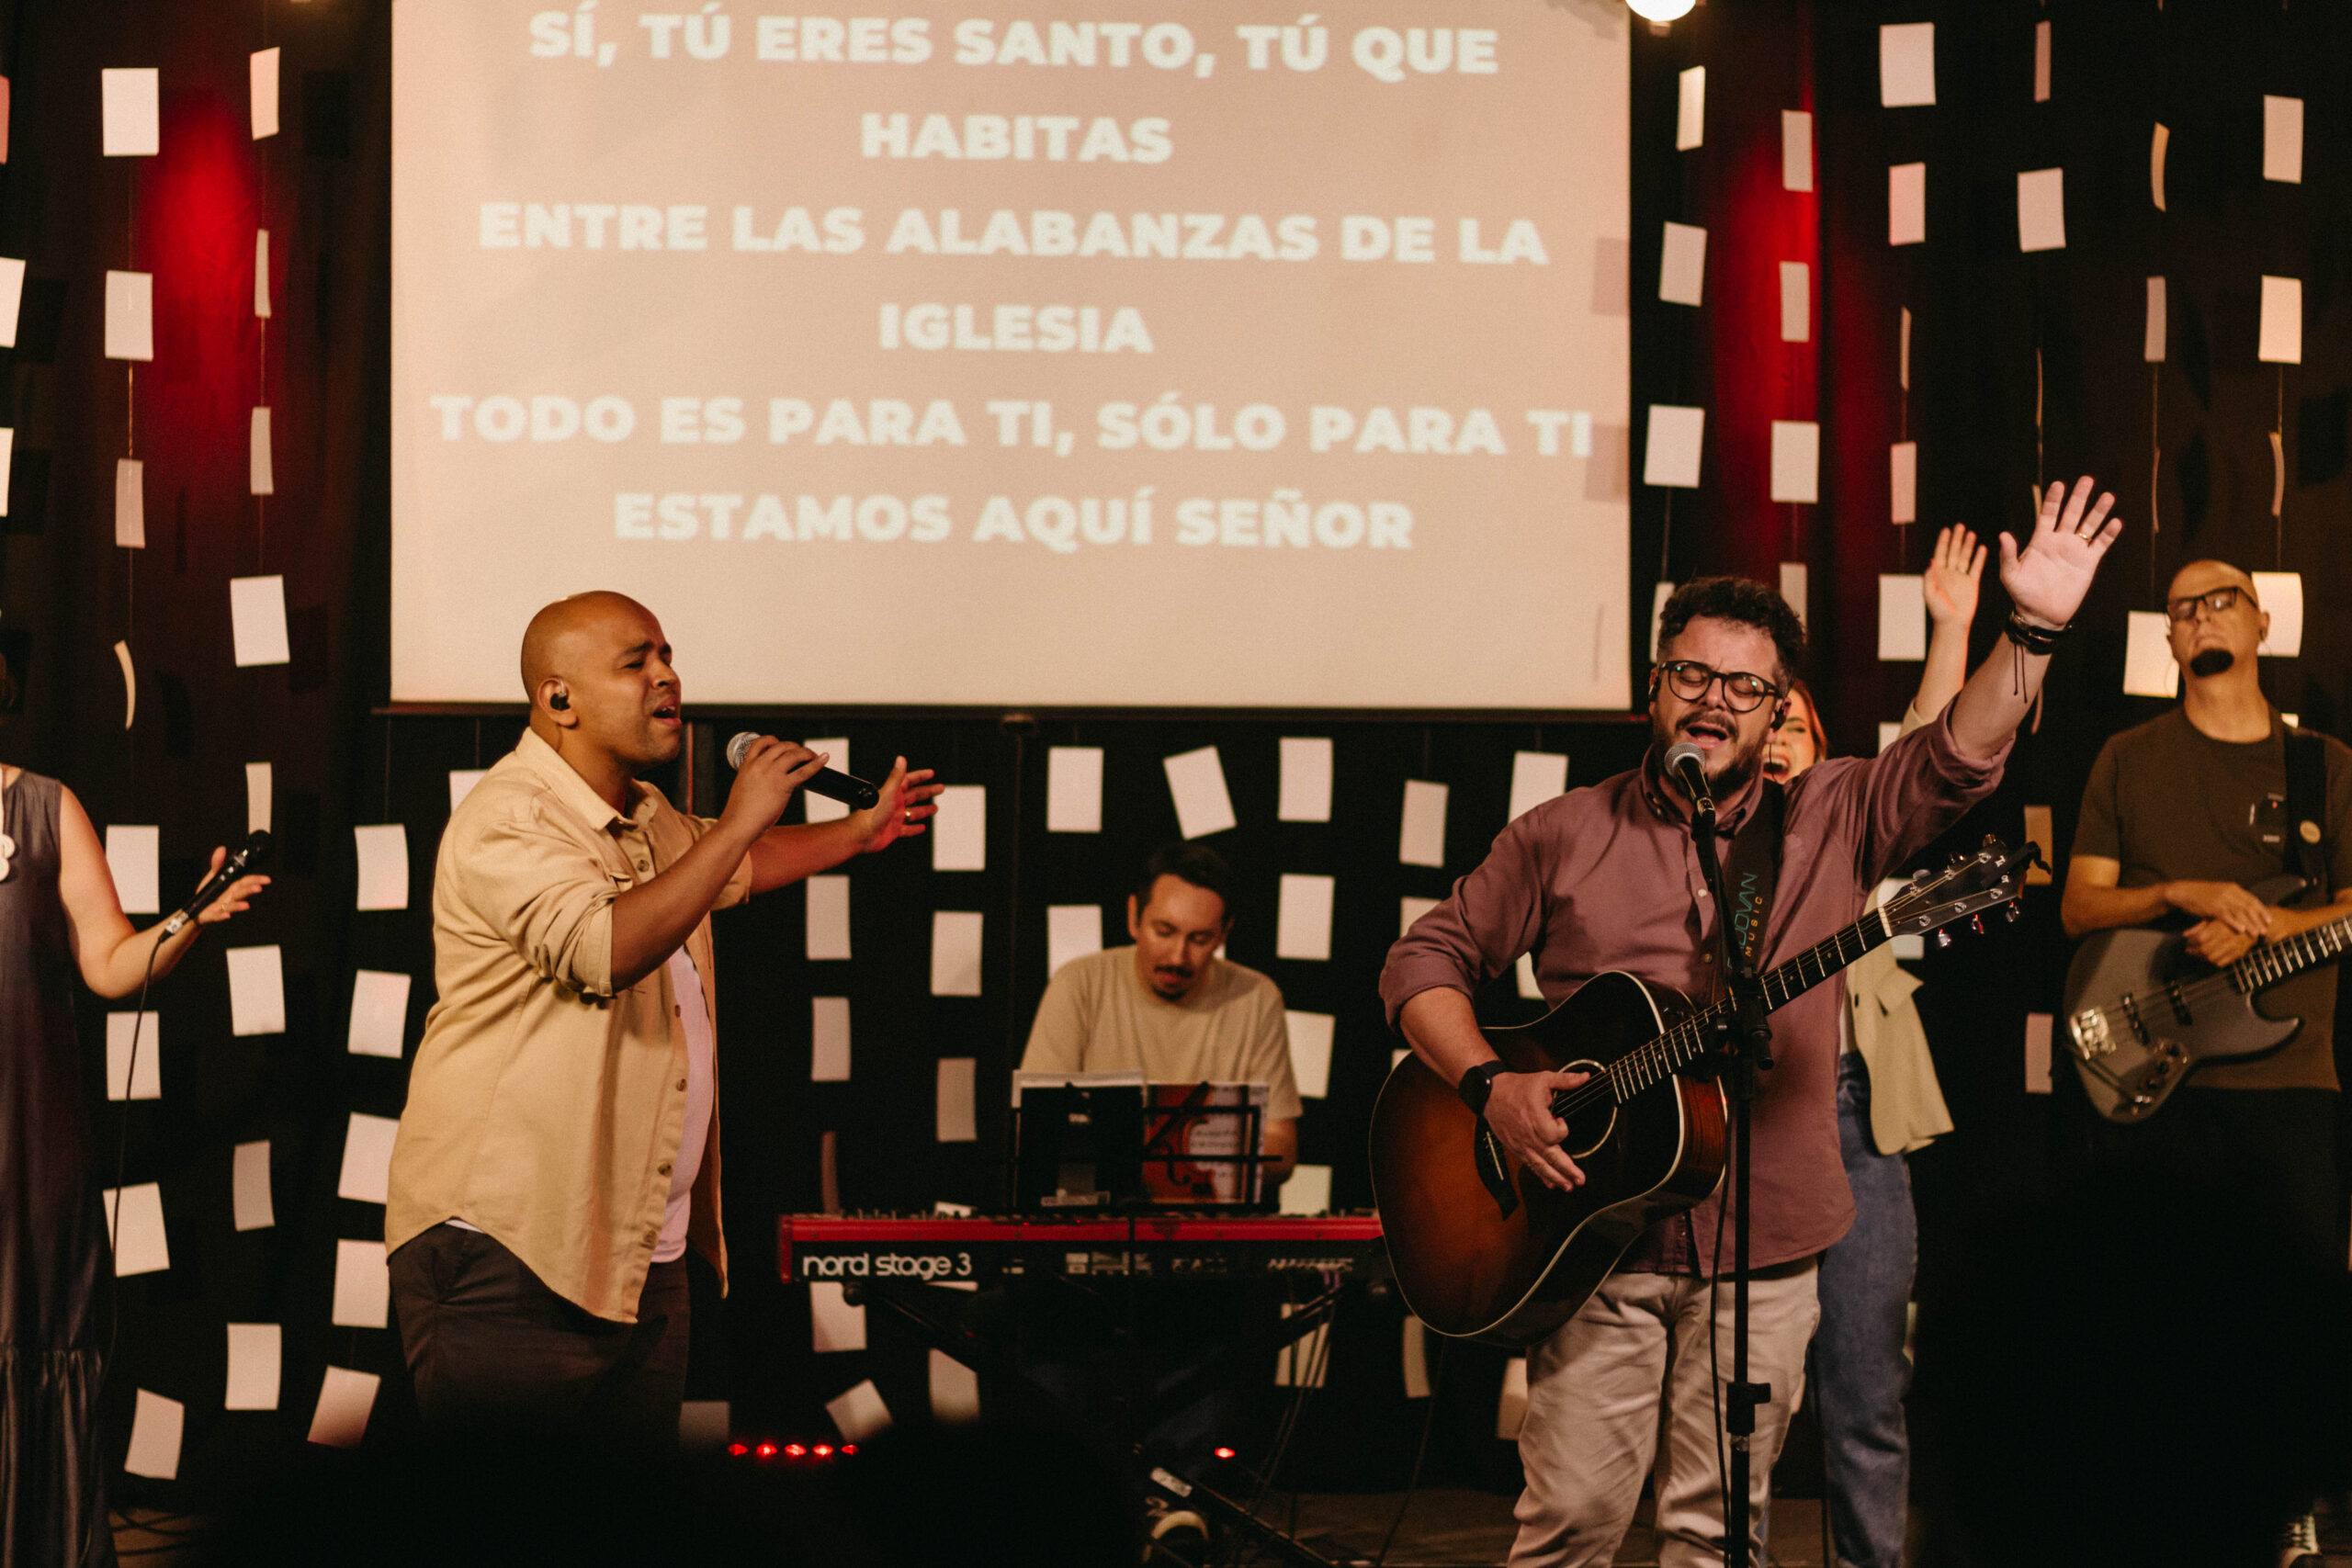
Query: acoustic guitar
x: 1483, y: 1250
x: 2142, y: 1014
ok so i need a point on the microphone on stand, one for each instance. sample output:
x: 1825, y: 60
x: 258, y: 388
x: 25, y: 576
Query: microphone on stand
x: 245, y: 858
x: 1686, y: 761
x: 833, y: 784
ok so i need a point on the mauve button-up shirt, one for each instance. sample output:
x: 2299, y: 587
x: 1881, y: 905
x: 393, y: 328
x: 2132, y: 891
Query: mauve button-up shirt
x: 1605, y: 878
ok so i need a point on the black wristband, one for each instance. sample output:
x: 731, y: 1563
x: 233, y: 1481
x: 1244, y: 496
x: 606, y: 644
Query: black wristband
x: 1475, y: 1085
x: 2033, y: 638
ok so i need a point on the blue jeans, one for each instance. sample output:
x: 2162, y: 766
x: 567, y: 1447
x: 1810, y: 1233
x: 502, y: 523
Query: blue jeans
x: 1860, y: 1372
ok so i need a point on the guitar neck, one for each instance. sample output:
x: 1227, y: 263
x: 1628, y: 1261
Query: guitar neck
x: 2275, y: 961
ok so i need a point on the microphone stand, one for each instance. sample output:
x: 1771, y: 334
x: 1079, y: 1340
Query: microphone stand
x: 1748, y: 1050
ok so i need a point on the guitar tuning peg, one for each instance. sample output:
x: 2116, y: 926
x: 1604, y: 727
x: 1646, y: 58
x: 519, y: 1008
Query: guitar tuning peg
x: 1976, y: 924
x: 2011, y: 911
x: 1943, y: 939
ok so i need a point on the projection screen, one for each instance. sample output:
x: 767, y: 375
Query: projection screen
x: 1099, y: 355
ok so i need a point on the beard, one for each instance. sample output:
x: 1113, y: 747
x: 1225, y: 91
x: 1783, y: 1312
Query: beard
x: 1729, y: 767
x: 2210, y: 661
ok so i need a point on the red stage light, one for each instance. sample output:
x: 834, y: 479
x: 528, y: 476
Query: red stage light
x: 766, y: 1451
x: 849, y: 1448
x: 823, y: 1450
x: 794, y: 1450
x: 1224, y: 1453
x: 739, y: 1450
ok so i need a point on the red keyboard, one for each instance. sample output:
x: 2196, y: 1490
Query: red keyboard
x: 938, y: 1249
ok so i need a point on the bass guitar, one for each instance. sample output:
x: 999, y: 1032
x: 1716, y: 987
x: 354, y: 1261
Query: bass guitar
x: 2142, y: 1014
x: 1482, y: 1251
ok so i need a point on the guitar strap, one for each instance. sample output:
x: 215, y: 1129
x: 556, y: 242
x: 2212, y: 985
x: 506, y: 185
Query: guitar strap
x: 2307, y: 810
x: 1752, y: 870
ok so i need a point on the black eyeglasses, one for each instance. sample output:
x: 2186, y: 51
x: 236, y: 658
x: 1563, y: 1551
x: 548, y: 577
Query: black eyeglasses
x: 2216, y: 600
x: 1742, y: 692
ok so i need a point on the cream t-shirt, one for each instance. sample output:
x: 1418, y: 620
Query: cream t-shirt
x: 1097, y: 1016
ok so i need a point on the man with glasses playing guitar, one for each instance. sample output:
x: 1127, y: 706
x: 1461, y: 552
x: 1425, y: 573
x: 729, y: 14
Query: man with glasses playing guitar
x: 1605, y: 879
x: 2192, y: 818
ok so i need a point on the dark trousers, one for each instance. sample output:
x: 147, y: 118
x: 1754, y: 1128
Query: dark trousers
x: 2262, y: 1161
x: 492, y: 1351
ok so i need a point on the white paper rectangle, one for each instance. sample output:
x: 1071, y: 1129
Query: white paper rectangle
x: 1416, y: 1359
x: 155, y: 1437
x: 344, y: 1400
x: 1660, y: 594
x: 2282, y: 139
x: 121, y: 649
x: 257, y: 793
x: 135, y: 1228
x: 1907, y: 64
x: 261, y: 273
x: 823, y: 809
x: 1671, y: 458
x: 2042, y: 209
x: 1536, y: 777
x: 1072, y: 930
x: 2281, y: 594
x: 1793, y: 587
x: 378, y: 1015
x: 461, y: 783
x: 256, y: 991
x: 1310, y: 1051
x: 1074, y: 789
x: 1410, y: 908
x: 383, y: 865
x: 256, y: 1360
x: 1683, y: 265
x: 144, y: 1077
x: 828, y: 917
x: 829, y: 1039
x: 12, y: 298
x: 2037, y: 1053
x: 1903, y: 482
x: 2156, y: 145
x: 1691, y: 109
x: 262, y: 78
x: 363, y: 1289
x: 130, y: 503
x: 1530, y: 989
x: 955, y: 953
x: 2042, y: 63
x: 261, y: 472
x: 1902, y: 617
x: 2148, y: 667
x: 249, y: 1187
x: 859, y: 1412
x: 1796, y: 461
x: 1303, y: 924
x: 834, y: 1326
x: 1510, y: 1405
x: 130, y: 857
x: 257, y: 620
x: 1308, y: 1190
x: 1796, y: 150
x: 2152, y: 343
x: 1889, y: 732
x: 956, y: 1120
x: 1906, y: 204
x: 130, y: 315
x: 1796, y: 302
x: 2282, y: 322
x: 1196, y: 782
x: 959, y: 834
x: 368, y: 1157
x: 954, y: 1389
x: 1306, y: 780
x: 1421, y: 837
x: 1902, y: 352
x: 130, y: 124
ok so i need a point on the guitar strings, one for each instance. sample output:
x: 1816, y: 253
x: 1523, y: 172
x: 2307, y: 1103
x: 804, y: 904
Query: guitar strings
x: 2300, y: 946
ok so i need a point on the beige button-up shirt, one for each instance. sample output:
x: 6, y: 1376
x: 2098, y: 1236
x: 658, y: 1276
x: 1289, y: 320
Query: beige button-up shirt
x: 545, y: 1107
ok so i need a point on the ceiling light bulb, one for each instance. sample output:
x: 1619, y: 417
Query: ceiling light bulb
x: 1661, y: 10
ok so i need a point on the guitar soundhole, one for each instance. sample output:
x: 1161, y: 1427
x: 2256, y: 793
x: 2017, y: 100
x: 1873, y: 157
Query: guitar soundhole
x: 1589, y: 1128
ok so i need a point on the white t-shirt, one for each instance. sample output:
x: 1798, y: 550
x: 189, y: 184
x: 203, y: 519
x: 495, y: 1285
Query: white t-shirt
x: 702, y: 1074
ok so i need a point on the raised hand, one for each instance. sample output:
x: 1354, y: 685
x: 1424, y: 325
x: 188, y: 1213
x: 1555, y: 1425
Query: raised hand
x: 2048, y: 579
x: 1953, y: 577
x: 234, y: 900
x: 909, y: 801
x: 772, y: 770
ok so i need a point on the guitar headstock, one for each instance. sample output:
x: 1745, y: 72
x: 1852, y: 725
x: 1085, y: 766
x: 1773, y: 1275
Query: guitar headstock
x: 1971, y: 883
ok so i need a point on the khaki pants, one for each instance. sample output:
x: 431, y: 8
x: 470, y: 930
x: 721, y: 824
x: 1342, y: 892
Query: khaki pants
x: 1593, y: 1424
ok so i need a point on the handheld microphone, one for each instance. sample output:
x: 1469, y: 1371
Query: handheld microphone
x: 833, y: 784
x: 245, y: 858
x: 1686, y: 761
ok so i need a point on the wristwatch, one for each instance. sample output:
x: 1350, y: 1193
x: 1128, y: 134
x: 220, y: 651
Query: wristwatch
x: 1477, y: 1084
